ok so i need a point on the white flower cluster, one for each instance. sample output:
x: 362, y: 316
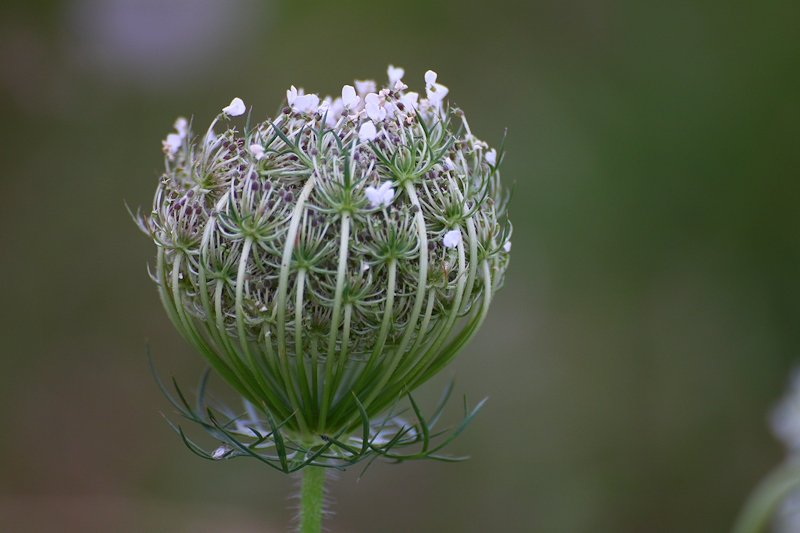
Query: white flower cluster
x: 363, y: 102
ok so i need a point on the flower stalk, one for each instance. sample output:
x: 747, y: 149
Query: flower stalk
x: 312, y: 500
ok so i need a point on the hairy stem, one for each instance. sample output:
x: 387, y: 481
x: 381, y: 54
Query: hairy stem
x: 312, y: 493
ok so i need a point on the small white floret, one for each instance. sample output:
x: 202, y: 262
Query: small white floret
x: 334, y: 112
x: 449, y: 163
x: 395, y: 74
x: 306, y: 103
x: 182, y: 126
x: 367, y: 132
x: 491, y: 156
x: 349, y: 97
x: 452, y: 238
x: 171, y: 144
x: 257, y: 150
x: 410, y: 100
x: 381, y: 196
x: 235, y: 108
x: 507, y: 246
x: 436, y: 91
x: 373, y: 107
x: 364, y: 87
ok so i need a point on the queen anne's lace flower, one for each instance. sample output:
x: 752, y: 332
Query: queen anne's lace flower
x: 330, y: 259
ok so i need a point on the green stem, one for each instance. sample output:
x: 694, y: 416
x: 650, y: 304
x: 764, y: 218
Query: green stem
x: 769, y: 494
x: 312, y: 492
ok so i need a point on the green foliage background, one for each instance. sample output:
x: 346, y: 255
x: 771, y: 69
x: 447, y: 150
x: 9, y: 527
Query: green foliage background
x: 651, y: 312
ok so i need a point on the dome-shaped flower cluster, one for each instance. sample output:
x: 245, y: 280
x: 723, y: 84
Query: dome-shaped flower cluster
x: 330, y: 260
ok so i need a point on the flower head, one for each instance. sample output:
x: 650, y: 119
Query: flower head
x: 329, y: 261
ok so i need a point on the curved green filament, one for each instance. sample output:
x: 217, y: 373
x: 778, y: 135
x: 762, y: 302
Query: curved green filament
x: 329, y: 388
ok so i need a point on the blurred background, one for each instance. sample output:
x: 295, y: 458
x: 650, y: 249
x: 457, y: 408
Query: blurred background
x: 651, y: 311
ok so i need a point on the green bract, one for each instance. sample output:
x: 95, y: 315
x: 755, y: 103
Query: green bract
x: 325, y: 264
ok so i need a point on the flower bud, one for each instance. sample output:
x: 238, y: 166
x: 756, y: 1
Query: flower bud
x: 339, y: 261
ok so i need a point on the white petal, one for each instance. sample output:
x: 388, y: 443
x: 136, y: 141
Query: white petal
x: 257, y: 150
x: 307, y: 103
x: 365, y: 87
x: 430, y: 77
x: 367, y: 132
x: 182, y: 125
x: 324, y: 106
x: 374, y: 111
x: 410, y: 100
x: 235, y: 108
x: 383, y: 195
x: 385, y: 186
x: 171, y: 144
x: 452, y: 238
x: 349, y: 97
x: 491, y: 156
x: 373, y: 195
x: 291, y: 94
x: 395, y: 74
x: 449, y: 163
x: 436, y: 92
x: 507, y: 246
